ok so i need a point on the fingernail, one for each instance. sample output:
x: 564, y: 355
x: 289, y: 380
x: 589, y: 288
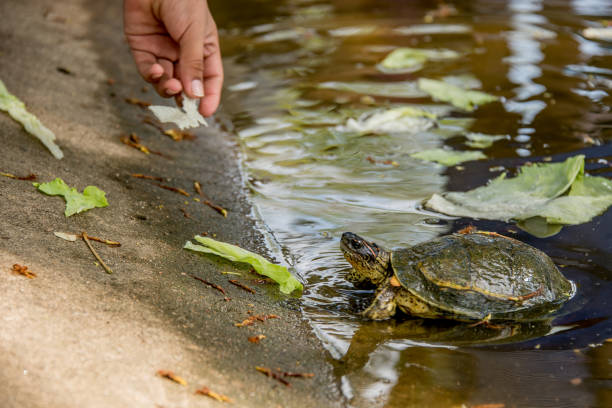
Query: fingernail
x: 197, y: 88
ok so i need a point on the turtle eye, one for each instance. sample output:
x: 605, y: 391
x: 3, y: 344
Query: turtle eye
x: 356, y: 244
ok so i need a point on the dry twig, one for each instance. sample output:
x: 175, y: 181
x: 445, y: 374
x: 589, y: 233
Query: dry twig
x: 93, y: 251
x: 242, y: 286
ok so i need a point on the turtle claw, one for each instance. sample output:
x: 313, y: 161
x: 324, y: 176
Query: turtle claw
x: 383, y: 306
x: 486, y: 322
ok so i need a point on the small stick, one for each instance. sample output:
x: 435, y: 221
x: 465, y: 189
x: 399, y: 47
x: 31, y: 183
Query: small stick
x: 209, y: 393
x: 29, y: 177
x: 198, y: 189
x: 212, y: 285
x: 274, y: 375
x: 240, y: 285
x: 105, y: 241
x: 185, y: 213
x: 174, y: 189
x: 93, y: 251
x: 147, y: 177
x: 297, y: 375
x: 171, y: 376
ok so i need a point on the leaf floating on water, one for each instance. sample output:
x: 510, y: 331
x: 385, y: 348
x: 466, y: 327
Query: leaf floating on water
x: 448, y: 157
x: 457, y: 96
x: 406, y: 89
x: 17, y: 110
x: 395, y: 120
x: 185, y: 118
x: 412, y: 59
x: 598, y: 33
x: 429, y: 29
x: 482, y: 141
x: 278, y: 273
x: 171, y: 376
x: 560, y: 193
x: 76, y: 202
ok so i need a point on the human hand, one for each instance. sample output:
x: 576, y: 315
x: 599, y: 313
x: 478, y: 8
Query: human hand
x: 175, y: 45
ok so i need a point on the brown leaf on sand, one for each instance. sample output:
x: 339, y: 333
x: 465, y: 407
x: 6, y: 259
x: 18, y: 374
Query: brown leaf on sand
x: 171, y: 376
x: 138, y: 102
x: 23, y: 270
x: 257, y: 339
x: 209, y: 393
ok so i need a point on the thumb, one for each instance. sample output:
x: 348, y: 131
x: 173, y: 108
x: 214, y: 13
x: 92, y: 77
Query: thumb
x: 191, y: 60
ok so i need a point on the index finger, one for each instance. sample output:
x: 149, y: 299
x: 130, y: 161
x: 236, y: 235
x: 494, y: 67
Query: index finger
x: 213, y: 82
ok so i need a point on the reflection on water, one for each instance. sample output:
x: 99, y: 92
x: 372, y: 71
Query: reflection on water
x: 298, y: 70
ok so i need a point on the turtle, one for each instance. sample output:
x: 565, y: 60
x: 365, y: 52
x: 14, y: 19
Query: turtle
x: 474, y: 276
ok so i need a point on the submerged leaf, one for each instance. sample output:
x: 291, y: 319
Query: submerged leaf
x: 76, y: 202
x: 278, y: 273
x: 17, y: 110
x: 412, y: 59
x: 406, y: 89
x: 482, y: 141
x: 457, y: 96
x: 395, y: 120
x: 537, y: 191
x: 448, y: 157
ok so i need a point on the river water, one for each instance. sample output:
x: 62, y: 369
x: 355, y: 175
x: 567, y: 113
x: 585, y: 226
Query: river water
x: 297, y: 70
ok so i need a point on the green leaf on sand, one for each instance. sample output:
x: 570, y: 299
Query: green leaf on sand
x: 559, y: 193
x: 76, y: 202
x: 457, y: 96
x: 278, y: 273
x: 448, y: 157
x: 17, y: 110
x: 412, y: 59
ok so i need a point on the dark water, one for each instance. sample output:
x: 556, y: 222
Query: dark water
x: 288, y: 64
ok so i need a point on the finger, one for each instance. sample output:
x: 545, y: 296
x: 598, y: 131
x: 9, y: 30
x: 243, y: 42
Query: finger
x: 147, y: 66
x: 167, y: 85
x: 213, y: 82
x: 161, y: 46
x: 191, y: 60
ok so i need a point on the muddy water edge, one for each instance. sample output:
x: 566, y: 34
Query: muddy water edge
x: 297, y: 71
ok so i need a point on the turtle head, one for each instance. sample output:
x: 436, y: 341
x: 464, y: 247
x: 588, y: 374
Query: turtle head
x: 371, y: 264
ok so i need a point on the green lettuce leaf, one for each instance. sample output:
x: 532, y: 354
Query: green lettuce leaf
x: 457, y: 96
x: 17, y: 110
x: 278, y: 273
x: 76, y: 202
x: 559, y: 193
x: 448, y: 157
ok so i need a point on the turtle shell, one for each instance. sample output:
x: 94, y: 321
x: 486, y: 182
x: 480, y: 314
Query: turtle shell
x: 475, y: 275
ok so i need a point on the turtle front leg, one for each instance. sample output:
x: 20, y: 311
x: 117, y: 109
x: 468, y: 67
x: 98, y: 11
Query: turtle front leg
x: 383, y: 306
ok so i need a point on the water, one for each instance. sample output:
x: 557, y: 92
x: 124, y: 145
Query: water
x: 288, y: 64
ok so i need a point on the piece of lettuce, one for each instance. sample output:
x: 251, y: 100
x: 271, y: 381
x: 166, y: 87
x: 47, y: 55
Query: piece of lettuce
x: 559, y: 193
x: 278, y: 273
x: 76, y: 202
x: 448, y: 157
x: 17, y: 110
x: 461, y: 98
